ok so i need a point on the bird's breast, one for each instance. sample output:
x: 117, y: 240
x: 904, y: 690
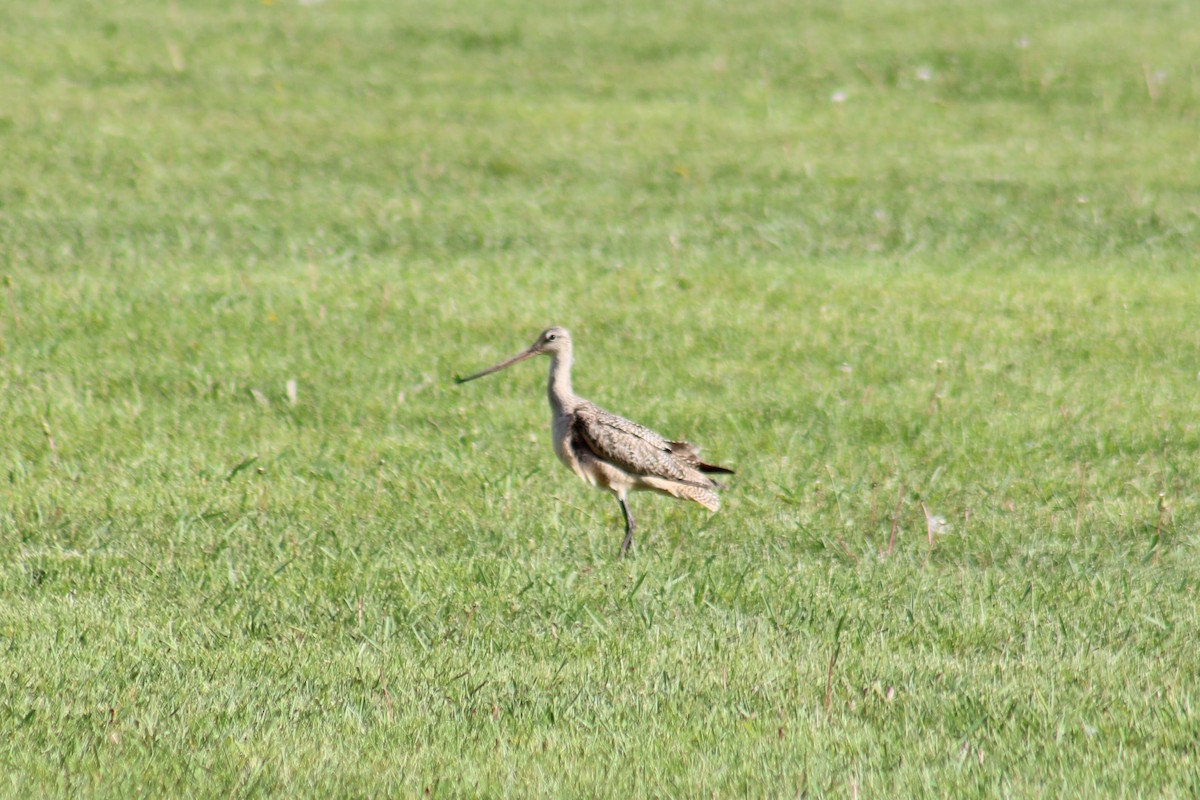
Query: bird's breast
x: 561, y: 434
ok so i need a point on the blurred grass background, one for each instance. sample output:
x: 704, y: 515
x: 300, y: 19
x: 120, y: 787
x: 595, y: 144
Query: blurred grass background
x: 924, y: 273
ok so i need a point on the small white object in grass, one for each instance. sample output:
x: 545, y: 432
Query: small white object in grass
x: 838, y: 97
x: 260, y: 398
x: 845, y: 368
x: 938, y: 525
x: 924, y: 74
x: 1023, y: 43
x: 292, y: 394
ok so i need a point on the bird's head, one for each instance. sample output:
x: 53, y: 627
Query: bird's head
x: 552, y: 341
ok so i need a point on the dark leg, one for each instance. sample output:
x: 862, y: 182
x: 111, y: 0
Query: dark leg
x: 628, y: 528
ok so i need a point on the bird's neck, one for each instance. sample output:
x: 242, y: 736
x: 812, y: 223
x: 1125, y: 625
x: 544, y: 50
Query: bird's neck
x: 559, y: 386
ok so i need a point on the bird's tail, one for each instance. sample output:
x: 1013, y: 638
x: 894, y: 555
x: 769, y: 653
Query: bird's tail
x: 684, y: 491
x: 689, y: 454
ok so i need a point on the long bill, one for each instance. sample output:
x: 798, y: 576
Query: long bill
x: 530, y: 353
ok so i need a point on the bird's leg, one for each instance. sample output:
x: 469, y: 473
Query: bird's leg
x: 628, y: 528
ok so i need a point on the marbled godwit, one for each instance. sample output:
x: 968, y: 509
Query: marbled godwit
x: 610, y: 451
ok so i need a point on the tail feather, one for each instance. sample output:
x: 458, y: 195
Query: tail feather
x: 689, y: 454
x: 684, y: 491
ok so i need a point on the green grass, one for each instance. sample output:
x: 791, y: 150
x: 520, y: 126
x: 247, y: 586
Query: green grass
x: 967, y: 289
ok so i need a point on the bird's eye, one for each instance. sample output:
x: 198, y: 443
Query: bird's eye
x: 550, y: 337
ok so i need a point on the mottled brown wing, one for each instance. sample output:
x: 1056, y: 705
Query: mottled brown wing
x: 594, y: 413
x: 632, y: 447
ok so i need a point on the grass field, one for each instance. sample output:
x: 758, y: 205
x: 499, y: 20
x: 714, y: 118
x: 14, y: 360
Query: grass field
x: 925, y: 273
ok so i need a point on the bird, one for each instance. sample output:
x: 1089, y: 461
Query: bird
x: 609, y: 451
